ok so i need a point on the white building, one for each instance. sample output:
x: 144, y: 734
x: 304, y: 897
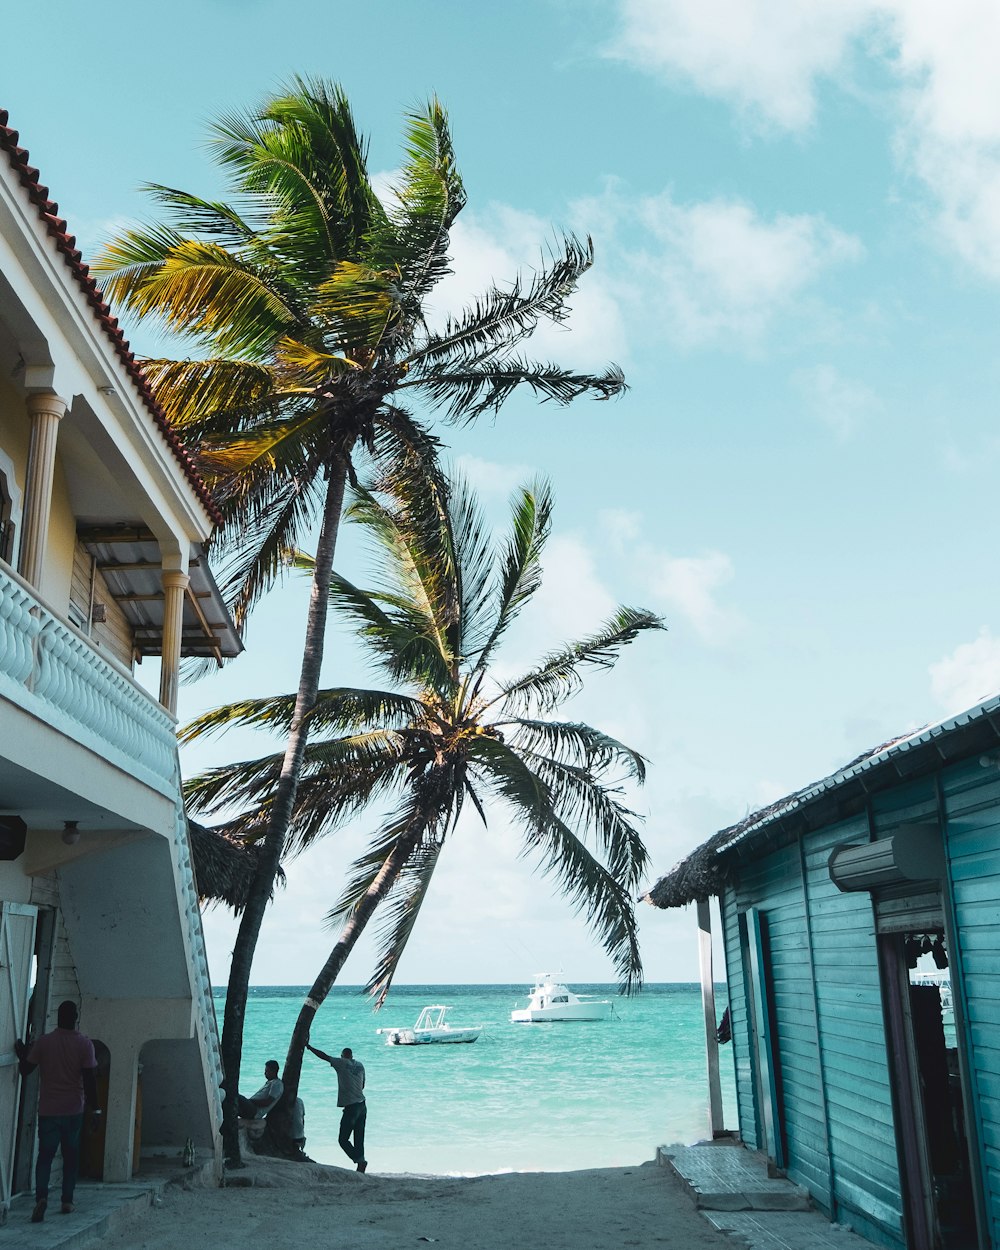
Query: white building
x: 102, y: 521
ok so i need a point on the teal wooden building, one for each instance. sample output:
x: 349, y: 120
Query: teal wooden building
x: 861, y: 929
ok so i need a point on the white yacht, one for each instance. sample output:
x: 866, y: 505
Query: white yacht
x: 551, y: 1001
x: 431, y: 1026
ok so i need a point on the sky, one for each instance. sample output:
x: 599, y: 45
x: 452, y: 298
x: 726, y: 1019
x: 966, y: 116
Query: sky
x: 795, y: 208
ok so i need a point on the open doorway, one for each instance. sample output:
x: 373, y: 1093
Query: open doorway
x: 934, y: 1148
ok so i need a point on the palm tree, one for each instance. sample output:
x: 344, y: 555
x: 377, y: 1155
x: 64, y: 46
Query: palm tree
x: 447, y: 730
x: 306, y: 295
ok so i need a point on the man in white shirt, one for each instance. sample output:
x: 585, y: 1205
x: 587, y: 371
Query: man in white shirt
x: 260, y: 1104
x: 351, y: 1097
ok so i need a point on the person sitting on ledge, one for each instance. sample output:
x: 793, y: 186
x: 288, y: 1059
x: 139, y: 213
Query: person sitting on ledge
x: 260, y: 1104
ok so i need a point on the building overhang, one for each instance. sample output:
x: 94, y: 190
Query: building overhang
x: 130, y: 561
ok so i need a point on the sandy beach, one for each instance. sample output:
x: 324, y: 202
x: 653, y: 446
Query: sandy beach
x: 291, y: 1204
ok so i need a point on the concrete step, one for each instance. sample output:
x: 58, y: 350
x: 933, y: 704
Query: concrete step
x: 786, y: 1230
x: 100, y: 1209
x: 724, y: 1176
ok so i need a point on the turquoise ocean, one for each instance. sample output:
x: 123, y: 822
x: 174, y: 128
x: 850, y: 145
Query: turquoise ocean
x: 524, y: 1097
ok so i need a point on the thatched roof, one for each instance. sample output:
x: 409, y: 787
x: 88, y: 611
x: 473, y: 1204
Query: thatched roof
x: 223, y: 864
x: 706, y: 870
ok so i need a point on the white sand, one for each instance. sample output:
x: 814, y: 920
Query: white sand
x: 306, y: 1205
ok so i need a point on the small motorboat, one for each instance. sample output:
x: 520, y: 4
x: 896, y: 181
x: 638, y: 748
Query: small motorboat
x: 431, y: 1026
x: 551, y: 1001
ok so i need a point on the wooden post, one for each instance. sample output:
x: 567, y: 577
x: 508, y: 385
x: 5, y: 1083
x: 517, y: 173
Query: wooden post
x: 715, y: 1119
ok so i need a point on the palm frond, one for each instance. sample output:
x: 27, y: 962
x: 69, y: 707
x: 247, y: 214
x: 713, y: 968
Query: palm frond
x: 428, y: 197
x: 607, y: 904
x: 269, y: 442
x: 204, y: 290
x: 194, y: 215
x: 337, y: 709
x: 590, y: 808
x: 260, y: 528
x: 357, y: 304
x: 340, y: 777
x: 588, y: 883
x: 520, y: 573
x: 313, y: 364
x: 419, y: 517
x: 558, y: 677
x: 402, y: 826
x: 343, y: 778
x: 465, y: 393
x: 402, y: 644
x: 126, y: 262
x: 502, y: 318
x: 399, y: 915
x: 577, y: 744
x: 192, y: 393
x: 234, y: 784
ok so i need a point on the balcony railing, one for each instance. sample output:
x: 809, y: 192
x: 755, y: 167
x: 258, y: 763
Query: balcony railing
x: 56, y: 674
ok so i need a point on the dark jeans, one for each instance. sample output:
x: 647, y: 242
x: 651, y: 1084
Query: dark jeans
x: 55, y: 1131
x: 353, y: 1122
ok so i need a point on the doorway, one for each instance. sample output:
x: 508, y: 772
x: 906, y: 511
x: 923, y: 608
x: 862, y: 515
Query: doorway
x: 17, y: 948
x: 765, y: 1060
x: 935, y: 1161
x: 39, y: 980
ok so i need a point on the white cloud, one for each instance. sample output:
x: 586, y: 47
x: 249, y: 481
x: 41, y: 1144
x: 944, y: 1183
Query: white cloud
x: 689, y: 585
x: 970, y: 673
x: 946, y: 58
x: 621, y: 526
x: 715, y: 269
x: 710, y: 270
x: 723, y: 269
x: 573, y: 600
x: 976, y: 456
x: 489, y: 478
x: 838, y: 402
x: 768, y: 60
x: 763, y: 56
x: 686, y: 585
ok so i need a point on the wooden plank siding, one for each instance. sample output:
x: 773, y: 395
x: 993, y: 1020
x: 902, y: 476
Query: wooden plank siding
x: 774, y: 885
x: 971, y: 796
x: 739, y: 1019
x: 114, y: 633
x: 912, y: 803
x: 855, y: 1066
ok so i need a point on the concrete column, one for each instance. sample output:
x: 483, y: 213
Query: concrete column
x: 46, y: 412
x: 119, y: 1139
x: 175, y: 583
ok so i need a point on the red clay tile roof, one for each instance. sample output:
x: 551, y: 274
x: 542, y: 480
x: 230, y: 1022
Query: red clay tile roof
x: 65, y: 243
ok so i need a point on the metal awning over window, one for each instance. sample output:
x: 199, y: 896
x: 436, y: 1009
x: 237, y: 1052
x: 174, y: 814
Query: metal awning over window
x: 130, y: 562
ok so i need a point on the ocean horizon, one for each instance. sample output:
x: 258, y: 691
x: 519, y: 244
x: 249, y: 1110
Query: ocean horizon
x: 524, y: 1097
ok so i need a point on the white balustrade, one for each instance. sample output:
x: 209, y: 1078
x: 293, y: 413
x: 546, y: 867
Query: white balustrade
x: 56, y: 673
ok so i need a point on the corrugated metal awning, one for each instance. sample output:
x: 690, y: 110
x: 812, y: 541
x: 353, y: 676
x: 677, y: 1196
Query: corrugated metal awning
x: 129, y: 560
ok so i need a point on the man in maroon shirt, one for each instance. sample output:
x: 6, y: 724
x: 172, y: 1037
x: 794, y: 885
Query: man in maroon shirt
x: 66, y: 1068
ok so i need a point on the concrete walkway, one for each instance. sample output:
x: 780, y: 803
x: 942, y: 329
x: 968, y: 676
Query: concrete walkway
x: 100, y: 1209
x: 730, y: 1186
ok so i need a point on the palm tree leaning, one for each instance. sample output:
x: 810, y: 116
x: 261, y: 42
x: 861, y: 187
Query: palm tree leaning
x: 307, y: 296
x: 447, y: 730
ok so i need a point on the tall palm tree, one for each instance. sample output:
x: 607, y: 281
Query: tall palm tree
x: 307, y: 296
x: 448, y: 729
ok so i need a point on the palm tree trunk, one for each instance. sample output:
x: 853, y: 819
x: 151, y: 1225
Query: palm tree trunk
x: 276, y: 1138
x: 283, y: 804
